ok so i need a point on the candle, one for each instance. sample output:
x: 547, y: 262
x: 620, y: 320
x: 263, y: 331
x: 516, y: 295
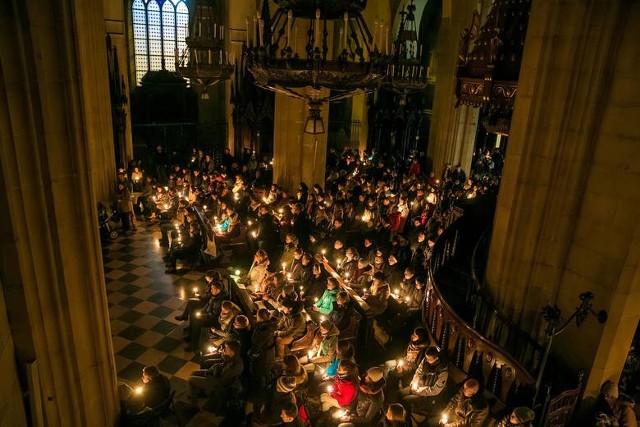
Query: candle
x: 310, y: 354
x: 283, y: 266
x: 324, y: 251
x: 139, y: 390
x: 254, y: 234
x: 198, y: 314
x: 249, y: 222
x: 330, y: 389
x: 195, y: 289
x: 211, y: 349
x: 400, y: 362
x: 396, y: 291
x: 237, y: 272
x: 444, y: 419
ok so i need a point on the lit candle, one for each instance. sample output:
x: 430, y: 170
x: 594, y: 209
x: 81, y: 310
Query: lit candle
x: 396, y: 291
x: 283, y: 266
x: 139, y: 390
x: 444, y: 419
x: 324, y: 251
x: 254, y: 234
x: 204, y: 207
x: 195, y: 289
x: 316, y: 299
x: 310, y: 354
x: 237, y: 272
x: 211, y: 349
x: 249, y: 222
x: 400, y: 362
x: 330, y: 389
x: 198, y: 314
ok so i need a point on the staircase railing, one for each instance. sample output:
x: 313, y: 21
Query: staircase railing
x: 472, y: 353
x: 493, y: 324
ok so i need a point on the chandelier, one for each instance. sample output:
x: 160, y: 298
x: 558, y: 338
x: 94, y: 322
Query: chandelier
x: 205, y: 59
x: 406, y: 71
x: 316, y: 43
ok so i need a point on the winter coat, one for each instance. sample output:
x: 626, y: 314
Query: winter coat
x: 325, y: 346
x: 262, y: 347
x: 467, y: 411
x: 292, y: 325
x: 430, y: 380
x: 344, y: 391
x: 341, y: 315
x: 325, y: 303
x: 368, y: 406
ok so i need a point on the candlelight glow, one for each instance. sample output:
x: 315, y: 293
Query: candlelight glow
x: 330, y: 389
x: 198, y: 314
x: 211, y: 349
x: 139, y: 390
x: 444, y: 419
x: 400, y: 362
x: 237, y: 272
x: 310, y: 354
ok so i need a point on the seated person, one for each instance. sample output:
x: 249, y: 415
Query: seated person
x: 344, y: 351
x: 229, y: 229
x: 177, y: 225
x: 200, y: 300
x: 224, y: 328
x: 256, y: 279
x: 519, y: 417
x: 324, y: 305
x: 208, y: 316
x: 220, y: 378
x: 611, y: 409
x: 325, y: 344
x: 342, y: 311
x: 291, y: 326
x: 368, y: 403
x: 396, y: 416
x: 429, y: 379
x: 362, y: 277
x: 467, y: 408
x: 289, y: 416
x: 316, y: 284
x: 401, y: 371
x: 188, y: 248
x: 283, y: 396
x: 343, y: 391
x: 154, y: 392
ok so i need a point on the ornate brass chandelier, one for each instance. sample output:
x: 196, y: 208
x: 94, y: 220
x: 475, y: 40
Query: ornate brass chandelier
x: 316, y: 43
x: 406, y: 70
x: 205, y: 59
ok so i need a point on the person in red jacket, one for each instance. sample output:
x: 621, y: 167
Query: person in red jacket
x: 341, y: 393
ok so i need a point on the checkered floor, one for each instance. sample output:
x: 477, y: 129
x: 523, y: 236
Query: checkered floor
x: 143, y: 301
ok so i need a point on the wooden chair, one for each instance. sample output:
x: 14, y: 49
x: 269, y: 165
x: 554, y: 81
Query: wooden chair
x: 304, y: 342
x: 559, y: 410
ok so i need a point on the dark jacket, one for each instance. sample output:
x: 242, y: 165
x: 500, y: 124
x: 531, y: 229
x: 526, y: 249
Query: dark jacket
x: 292, y: 325
x: 156, y: 391
x: 262, y: 347
x: 467, y: 411
x: 368, y: 405
x: 341, y: 315
x: 431, y: 379
x: 228, y: 372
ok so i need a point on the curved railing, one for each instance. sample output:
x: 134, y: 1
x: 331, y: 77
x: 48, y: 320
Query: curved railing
x: 470, y: 352
x: 492, y: 323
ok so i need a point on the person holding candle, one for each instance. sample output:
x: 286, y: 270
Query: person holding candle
x: 209, y: 314
x: 324, y: 346
x: 369, y: 401
x: 467, y: 408
x: 269, y: 413
x: 155, y: 390
x: 258, y: 272
x: 224, y: 328
x: 401, y: 371
x: 200, y: 298
x: 349, y: 264
x: 521, y: 417
x: 325, y: 304
x: 290, y: 245
x: 344, y: 388
x: 428, y: 381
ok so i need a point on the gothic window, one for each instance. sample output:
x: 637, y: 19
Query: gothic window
x: 159, y: 31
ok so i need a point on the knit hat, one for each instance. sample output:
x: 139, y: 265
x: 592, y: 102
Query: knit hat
x: 286, y: 384
x: 524, y: 414
x: 375, y: 374
x: 610, y: 388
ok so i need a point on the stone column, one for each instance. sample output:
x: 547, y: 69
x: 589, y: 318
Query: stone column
x: 55, y: 123
x: 115, y: 19
x: 452, y: 135
x: 298, y: 156
x: 568, y: 216
x: 12, y: 413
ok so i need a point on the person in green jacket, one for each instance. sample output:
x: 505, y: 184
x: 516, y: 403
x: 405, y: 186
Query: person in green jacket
x: 325, y: 304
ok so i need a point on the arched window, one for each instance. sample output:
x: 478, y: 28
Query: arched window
x: 159, y: 30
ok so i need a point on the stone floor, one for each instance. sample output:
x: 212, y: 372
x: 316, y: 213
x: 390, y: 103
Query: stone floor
x: 143, y: 301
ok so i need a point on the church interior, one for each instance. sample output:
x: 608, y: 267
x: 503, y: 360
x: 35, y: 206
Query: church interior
x: 320, y: 213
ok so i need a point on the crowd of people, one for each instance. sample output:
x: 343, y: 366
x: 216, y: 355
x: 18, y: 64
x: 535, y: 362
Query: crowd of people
x: 364, y: 237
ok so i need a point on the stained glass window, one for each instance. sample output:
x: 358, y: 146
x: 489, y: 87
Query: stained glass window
x: 159, y: 28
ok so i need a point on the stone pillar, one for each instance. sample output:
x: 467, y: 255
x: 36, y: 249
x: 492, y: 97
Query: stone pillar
x: 453, y: 130
x: 12, y: 413
x: 568, y: 216
x: 55, y: 123
x: 115, y: 19
x: 298, y: 156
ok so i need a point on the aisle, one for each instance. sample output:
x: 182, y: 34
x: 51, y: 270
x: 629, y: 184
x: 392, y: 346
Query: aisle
x: 143, y: 301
